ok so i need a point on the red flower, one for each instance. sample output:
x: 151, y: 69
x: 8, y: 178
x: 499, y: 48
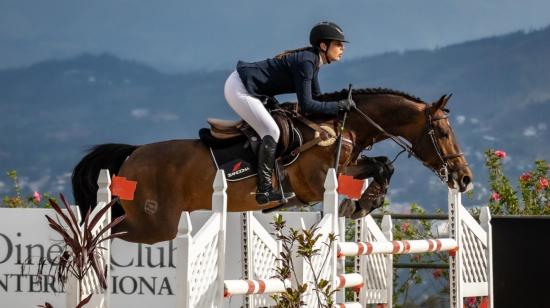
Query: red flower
x: 500, y: 154
x: 404, y: 227
x: 525, y: 177
x: 437, y: 273
x: 543, y: 182
x: 471, y: 301
x: 36, y: 197
x: 495, y: 196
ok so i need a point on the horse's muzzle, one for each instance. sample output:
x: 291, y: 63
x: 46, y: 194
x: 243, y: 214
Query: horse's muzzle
x: 461, y: 181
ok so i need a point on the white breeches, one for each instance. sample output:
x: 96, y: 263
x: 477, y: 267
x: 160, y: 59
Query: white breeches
x: 249, y: 108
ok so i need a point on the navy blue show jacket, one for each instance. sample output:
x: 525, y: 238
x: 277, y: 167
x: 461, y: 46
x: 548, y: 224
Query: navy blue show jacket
x: 294, y: 73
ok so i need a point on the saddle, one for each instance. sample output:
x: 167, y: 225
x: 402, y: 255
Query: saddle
x: 234, y: 144
x: 224, y: 132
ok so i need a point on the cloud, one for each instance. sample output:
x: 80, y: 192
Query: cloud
x: 61, y: 180
x: 139, y: 113
x: 460, y: 119
x: 71, y: 133
x: 161, y: 116
x: 36, y: 185
x: 530, y: 131
x: 400, y: 207
x: 479, y: 156
x: 4, y: 154
x: 165, y: 116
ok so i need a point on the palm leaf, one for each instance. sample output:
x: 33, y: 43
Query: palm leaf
x: 82, y: 246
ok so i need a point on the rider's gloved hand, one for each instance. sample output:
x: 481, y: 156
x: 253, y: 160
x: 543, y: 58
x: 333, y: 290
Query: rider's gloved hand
x: 346, y: 105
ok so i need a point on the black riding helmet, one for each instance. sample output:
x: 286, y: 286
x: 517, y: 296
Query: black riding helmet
x: 326, y: 31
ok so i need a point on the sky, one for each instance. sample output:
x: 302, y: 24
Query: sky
x: 205, y: 35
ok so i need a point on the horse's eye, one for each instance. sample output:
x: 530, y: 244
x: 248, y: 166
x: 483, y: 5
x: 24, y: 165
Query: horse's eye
x: 443, y: 133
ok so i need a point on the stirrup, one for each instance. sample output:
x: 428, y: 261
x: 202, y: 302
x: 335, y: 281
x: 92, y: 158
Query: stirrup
x: 273, y: 195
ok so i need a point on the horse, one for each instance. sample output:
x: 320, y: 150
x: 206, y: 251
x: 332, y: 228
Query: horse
x: 176, y: 175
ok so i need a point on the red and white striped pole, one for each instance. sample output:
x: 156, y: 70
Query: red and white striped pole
x: 350, y: 249
x: 242, y: 287
x: 351, y: 280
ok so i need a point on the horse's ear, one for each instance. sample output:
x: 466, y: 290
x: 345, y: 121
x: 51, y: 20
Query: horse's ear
x: 440, y: 104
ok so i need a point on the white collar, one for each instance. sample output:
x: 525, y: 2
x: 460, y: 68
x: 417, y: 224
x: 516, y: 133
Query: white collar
x: 321, y: 62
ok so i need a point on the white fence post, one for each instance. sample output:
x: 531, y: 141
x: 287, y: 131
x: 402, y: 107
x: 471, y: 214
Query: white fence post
x: 104, y: 197
x: 485, y: 221
x: 200, y: 258
x: 330, y: 206
x: 455, y: 262
x: 387, y: 229
x: 184, y: 243
x: 219, y: 206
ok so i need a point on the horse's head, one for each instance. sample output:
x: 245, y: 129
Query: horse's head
x: 437, y: 147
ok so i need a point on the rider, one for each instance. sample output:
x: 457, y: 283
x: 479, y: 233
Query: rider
x: 249, y: 88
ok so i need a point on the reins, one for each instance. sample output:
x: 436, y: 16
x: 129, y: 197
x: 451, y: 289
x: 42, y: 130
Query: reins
x: 443, y: 172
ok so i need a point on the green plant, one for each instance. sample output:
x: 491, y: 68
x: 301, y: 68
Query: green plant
x: 304, y: 243
x: 36, y: 200
x: 83, y: 248
x: 532, y: 196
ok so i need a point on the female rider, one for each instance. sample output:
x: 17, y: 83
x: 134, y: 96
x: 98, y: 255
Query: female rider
x: 249, y: 87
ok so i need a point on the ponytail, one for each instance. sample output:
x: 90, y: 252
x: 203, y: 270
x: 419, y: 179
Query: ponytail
x: 291, y: 51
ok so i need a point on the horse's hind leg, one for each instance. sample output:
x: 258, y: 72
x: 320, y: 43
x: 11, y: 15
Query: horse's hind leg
x: 147, y: 221
x: 146, y: 234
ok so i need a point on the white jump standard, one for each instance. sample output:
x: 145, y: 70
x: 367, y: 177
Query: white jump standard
x: 201, y: 257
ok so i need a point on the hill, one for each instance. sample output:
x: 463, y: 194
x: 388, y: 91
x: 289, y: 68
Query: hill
x: 51, y: 111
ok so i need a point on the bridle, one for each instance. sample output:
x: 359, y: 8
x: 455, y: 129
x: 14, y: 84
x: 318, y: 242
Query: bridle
x: 442, y: 171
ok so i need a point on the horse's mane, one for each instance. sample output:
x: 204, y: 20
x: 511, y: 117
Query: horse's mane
x: 342, y: 94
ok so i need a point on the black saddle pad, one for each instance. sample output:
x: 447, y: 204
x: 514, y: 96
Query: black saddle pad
x: 237, y: 161
x: 236, y: 157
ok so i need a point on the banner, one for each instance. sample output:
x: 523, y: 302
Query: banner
x: 141, y: 275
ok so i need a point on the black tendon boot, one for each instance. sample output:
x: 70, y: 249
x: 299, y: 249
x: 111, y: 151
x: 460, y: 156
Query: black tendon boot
x: 266, y: 162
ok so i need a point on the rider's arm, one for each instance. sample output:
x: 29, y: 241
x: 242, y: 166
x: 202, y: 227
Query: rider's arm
x: 303, y: 80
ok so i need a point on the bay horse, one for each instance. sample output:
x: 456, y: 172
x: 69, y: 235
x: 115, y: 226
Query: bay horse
x: 177, y: 175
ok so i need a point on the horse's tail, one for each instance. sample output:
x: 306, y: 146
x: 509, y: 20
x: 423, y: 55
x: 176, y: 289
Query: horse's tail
x: 84, y: 179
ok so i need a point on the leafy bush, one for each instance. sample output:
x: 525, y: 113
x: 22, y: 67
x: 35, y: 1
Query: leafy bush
x: 83, y: 249
x: 530, y: 197
x: 304, y: 243
x: 532, y: 194
x: 36, y: 200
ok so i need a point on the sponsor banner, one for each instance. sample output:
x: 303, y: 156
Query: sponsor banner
x: 141, y: 275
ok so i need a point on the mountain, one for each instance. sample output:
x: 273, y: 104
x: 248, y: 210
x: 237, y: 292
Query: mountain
x: 52, y: 111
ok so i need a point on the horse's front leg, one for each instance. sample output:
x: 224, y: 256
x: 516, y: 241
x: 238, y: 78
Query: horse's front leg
x: 380, y: 169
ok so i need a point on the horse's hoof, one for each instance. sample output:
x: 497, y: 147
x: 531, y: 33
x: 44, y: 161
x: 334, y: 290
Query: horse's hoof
x: 346, y: 208
x: 359, y: 214
x: 370, y: 205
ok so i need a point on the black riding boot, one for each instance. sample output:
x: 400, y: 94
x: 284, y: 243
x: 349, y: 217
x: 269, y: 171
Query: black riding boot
x: 266, y: 163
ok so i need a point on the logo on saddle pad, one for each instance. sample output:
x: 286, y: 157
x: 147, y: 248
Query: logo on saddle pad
x: 238, y: 169
x: 236, y: 166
